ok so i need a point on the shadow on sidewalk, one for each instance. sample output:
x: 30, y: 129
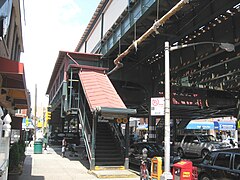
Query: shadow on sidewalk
x: 80, y: 155
x: 27, y: 172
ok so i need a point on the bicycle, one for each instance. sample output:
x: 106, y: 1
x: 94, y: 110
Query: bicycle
x: 144, y: 173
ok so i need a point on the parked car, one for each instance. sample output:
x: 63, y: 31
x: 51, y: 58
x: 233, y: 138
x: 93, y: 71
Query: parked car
x: 220, y: 165
x: 154, y: 149
x: 197, y: 145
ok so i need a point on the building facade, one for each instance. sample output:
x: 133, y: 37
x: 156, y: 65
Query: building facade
x: 14, y: 96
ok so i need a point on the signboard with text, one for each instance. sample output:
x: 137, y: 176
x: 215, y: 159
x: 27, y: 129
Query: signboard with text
x: 157, y: 106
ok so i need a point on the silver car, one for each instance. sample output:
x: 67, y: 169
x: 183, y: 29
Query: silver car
x: 197, y: 145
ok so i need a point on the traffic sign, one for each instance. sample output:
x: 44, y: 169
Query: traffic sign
x: 157, y: 106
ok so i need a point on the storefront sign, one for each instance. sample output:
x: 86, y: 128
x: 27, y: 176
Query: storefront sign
x: 224, y: 126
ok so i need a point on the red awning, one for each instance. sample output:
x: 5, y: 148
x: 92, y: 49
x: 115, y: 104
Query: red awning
x: 13, y: 91
x: 98, y: 89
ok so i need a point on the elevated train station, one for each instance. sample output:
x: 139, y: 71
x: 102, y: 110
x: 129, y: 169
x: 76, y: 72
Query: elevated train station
x: 118, y: 66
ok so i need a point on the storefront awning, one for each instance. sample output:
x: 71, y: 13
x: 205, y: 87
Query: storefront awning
x: 13, y: 91
x: 200, y: 125
x: 224, y: 126
x: 142, y: 127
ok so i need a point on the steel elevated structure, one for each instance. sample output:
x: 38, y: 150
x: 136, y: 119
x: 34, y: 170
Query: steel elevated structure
x: 124, y: 43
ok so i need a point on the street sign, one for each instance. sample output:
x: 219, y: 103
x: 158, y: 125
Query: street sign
x: 157, y: 106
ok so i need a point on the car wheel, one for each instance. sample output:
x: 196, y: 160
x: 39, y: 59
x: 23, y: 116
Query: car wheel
x: 180, y: 153
x: 204, y: 153
x: 204, y: 177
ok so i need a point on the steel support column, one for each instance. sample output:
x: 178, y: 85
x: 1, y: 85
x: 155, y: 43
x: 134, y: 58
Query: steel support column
x: 152, y: 129
x: 94, y: 127
x: 126, y: 160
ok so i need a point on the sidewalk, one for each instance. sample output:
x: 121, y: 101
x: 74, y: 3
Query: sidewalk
x: 51, y: 166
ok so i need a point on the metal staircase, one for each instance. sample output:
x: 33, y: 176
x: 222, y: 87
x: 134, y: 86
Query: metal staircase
x: 97, y: 108
x: 108, y: 150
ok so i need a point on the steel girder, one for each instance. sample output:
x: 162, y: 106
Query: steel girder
x: 206, y: 66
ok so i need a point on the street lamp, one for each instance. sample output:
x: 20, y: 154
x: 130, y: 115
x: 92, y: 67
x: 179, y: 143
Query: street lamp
x: 226, y: 46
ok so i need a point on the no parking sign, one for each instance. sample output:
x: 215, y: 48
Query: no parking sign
x: 157, y: 106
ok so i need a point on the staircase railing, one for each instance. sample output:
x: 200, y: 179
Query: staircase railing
x: 86, y: 130
x: 118, y: 134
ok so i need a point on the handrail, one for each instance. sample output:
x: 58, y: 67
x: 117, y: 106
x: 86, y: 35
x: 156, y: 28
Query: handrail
x: 3, y: 167
x: 85, y: 136
x: 117, y: 134
x: 88, y: 125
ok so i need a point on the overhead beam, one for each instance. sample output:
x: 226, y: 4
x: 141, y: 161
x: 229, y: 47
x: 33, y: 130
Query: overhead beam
x: 153, y: 29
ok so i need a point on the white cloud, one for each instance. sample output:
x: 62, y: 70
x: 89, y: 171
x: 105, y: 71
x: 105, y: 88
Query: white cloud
x: 51, y: 26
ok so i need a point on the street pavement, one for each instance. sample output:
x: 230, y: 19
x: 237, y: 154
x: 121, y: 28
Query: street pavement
x: 51, y: 166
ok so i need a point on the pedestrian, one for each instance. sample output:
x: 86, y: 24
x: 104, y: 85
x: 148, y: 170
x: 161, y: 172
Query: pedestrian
x: 224, y: 136
x: 29, y: 140
x: 145, y: 137
x: 45, y: 141
x: 135, y: 137
x: 64, y: 144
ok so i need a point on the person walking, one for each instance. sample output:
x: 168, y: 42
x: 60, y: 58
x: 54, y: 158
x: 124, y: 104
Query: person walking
x: 64, y: 144
x: 45, y: 141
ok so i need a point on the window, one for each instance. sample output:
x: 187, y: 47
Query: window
x: 195, y: 139
x: 237, y: 162
x: 208, y: 138
x: 208, y: 160
x: 188, y: 139
x: 179, y: 138
x: 223, y: 160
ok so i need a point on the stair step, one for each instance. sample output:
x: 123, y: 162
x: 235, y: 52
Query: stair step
x: 98, y: 168
x: 107, y: 151
x: 104, y: 140
x: 107, y: 148
x: 104, y: 134
x: 101, y: 159
x: 110, y: 145
x: 113, y: 154
x: 109, y: 163
x: 106, y: 143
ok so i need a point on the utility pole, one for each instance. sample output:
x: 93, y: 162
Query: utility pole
x: 35, y: 113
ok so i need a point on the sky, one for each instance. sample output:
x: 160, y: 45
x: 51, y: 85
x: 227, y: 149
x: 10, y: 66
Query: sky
x: 50, y: 26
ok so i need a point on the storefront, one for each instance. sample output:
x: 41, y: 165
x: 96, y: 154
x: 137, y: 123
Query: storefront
x: 201, y: 127
x: 224, y: 126
x: 228, y: 127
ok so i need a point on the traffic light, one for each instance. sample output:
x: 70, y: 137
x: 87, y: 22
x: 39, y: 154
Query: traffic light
x: 27, y: 122
x: 48, y: 115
